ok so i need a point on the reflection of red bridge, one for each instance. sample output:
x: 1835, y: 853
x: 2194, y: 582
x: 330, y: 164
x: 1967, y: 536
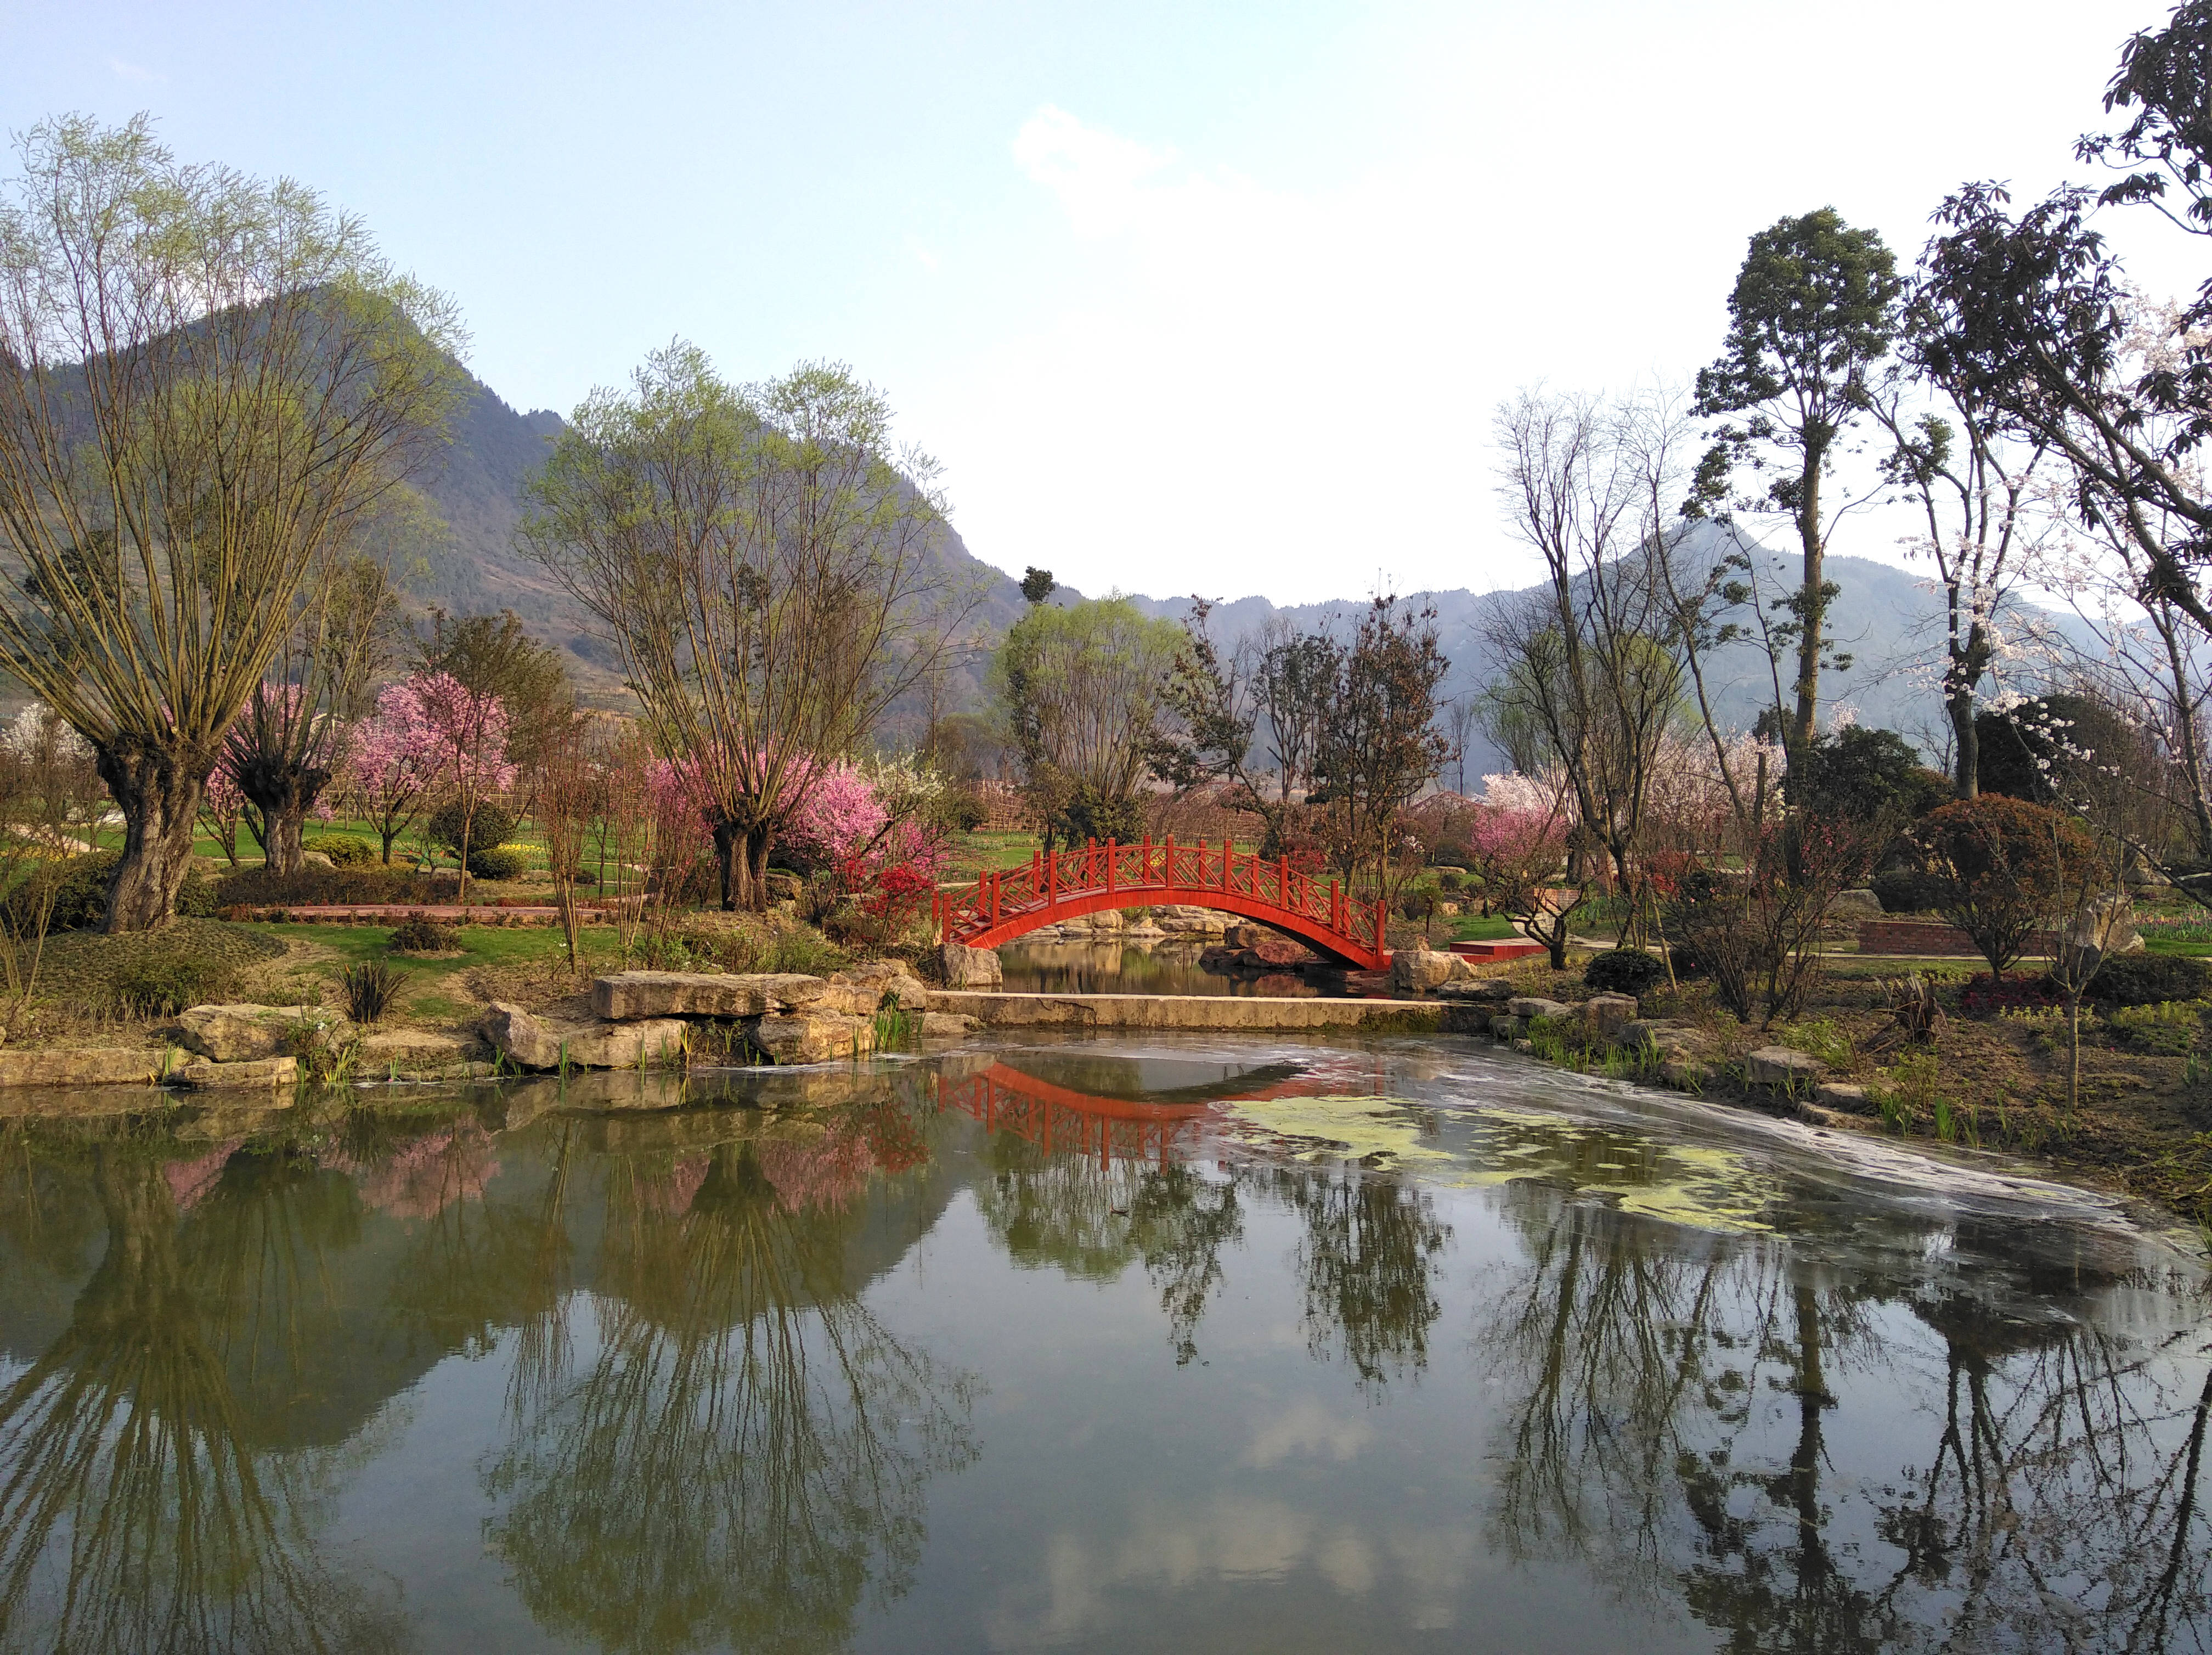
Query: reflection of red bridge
x: 1001, y: 906
x: 1053, y: 1116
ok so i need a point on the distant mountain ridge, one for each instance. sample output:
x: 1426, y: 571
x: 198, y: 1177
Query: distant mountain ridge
x: 1888, y: 618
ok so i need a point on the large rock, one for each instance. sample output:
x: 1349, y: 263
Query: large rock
x: 815, y: 1037
x: 1609, y: 1015
x: 1533, y: 1006
x: 1836, y: 1095
x: 106, y: 1066
x: 626, y: 996
x: 545, y: 1043
x: 2108, y: 925
x: 890, y: 980
x: 1669, y: 1040
x: 1271, y: 948
x: 1419, y: 970
x: 239, y: 1033
x: 1481, y: 987
x: 1780, y: 1066
x: 205, y: 1072
x: 947, y: 1025
x: 971, y: 968
x: 1854, y: 905
x: 414, y: 1052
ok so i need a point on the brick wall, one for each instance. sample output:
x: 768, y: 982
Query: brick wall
x: 1926, y: 936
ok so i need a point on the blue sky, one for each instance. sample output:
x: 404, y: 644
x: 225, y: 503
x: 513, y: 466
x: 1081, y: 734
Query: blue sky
x: 1182, y: 296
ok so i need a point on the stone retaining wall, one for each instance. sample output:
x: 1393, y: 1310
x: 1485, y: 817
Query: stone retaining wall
x: 1247, y: 1011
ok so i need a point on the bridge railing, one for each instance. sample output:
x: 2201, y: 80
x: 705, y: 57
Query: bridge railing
x: 1166, y: 870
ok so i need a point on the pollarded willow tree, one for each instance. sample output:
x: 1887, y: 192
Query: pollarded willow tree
x: 1083, y: 689
x: 770, y: 568
x: 206, y: 381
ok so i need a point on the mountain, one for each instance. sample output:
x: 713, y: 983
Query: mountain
x: 469, y: 563
x: 1888, y: 619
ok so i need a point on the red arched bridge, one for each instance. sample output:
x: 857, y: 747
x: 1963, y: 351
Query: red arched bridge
x: 1001, y: 906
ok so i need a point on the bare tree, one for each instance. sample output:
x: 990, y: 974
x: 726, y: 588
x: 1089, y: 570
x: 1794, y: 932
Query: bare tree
x: 205, y: 382
x: 1284, y: 683
x: 1593, y: 659
x: 769, y: 570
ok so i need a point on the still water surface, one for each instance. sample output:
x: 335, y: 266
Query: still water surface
x: 1137, y: 968
x: 1172, y: 1346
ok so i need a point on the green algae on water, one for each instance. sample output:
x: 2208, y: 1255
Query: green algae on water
x: 1694, y: 1186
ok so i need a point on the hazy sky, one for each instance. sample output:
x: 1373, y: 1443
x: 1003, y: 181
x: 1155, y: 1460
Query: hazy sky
x: 1184, y: 297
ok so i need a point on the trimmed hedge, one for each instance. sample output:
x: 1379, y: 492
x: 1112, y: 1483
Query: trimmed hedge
x: 2149, y: 979
x: 257, y: 887
x: 1625, y: 971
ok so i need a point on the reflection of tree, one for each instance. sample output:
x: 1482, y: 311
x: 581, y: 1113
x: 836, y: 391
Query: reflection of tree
x: 1669, y: 1413
x: 743, y: 1458
x: 135, y: 1515
x: 1094, y: 1221
x: 1370, y: 1262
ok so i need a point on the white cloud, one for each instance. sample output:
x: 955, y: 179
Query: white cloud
x: 134, y: 72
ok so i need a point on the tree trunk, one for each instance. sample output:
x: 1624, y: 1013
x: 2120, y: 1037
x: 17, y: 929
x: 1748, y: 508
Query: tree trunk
x: 285, y: 826
x: 1808, y: 645
x: 727, y: 872
x: 158, y: 790
x: 755, y: 889
x: 1966, y: 777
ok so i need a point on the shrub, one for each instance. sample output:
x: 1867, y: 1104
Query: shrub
x: 963, y: 810
x: 2169, y: 1028
x: 163, y: 988
x: 2005, y: 866
x: 2147, y: 979
x: 497, y: 863
x: 1451, y: 881
x: 371, y: 988
x: 1987, y: 996
x: 344, y: 849
x: 1907, y: 890
x: 79, y: 887
x: 1625, y: 971
x: 418, y: 933
x: 490, y: 826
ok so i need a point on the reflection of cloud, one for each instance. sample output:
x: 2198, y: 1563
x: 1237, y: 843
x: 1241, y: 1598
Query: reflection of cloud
x: 1431, y: 1563
x: 1231, y: 1540
x: 1308, y: 1428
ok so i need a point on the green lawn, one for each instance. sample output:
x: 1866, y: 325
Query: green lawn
x: 1481, y: 927
x: 480, y: 944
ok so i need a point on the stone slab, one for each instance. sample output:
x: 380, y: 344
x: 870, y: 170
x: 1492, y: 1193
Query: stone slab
x: 105, y: 1066
x: 626, y: 997
x: 204, y: 1073
x: 544, y: 1042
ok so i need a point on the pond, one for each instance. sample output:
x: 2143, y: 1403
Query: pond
x: 1172, y: 1344
x: 1154, y: 968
